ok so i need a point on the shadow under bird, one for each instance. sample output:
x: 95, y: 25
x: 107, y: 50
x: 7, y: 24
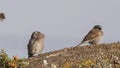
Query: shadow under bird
x: 36, y: 44
x: 94, y: 36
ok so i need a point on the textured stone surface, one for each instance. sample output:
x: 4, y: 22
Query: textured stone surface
x: 90, y: 56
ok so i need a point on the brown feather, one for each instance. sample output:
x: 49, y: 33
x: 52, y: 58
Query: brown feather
x: 92, y: 34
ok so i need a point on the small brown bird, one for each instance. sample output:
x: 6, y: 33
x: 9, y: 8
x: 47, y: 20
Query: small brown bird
x: 2, y: 16
x: 36, y: 44
x: 94, y: 36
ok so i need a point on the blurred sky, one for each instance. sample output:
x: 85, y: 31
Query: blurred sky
x: 64, y: 22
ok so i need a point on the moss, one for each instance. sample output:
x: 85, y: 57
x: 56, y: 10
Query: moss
x: 67, y: 65
x: 87, y: 62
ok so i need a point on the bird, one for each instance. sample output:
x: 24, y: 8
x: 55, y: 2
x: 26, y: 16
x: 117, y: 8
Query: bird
x: 35, y: 44
x: 2, y: 16
x: 94, y: 36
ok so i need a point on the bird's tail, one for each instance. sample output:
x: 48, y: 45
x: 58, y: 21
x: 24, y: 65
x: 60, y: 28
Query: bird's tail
x: 79, y: 44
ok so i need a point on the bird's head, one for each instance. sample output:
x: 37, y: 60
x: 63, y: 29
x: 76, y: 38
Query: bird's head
x: 37, y: 35
x: 98, y: 27
x: 2, y: 15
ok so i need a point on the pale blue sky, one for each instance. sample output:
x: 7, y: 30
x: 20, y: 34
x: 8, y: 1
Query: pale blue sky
x: 64, y: 22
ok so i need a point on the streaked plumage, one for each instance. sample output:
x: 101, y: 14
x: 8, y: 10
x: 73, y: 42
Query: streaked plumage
x: 36, y: 44
x: 94, y: 36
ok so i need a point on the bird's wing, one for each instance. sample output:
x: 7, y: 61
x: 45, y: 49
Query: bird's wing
x: 92, y: 34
